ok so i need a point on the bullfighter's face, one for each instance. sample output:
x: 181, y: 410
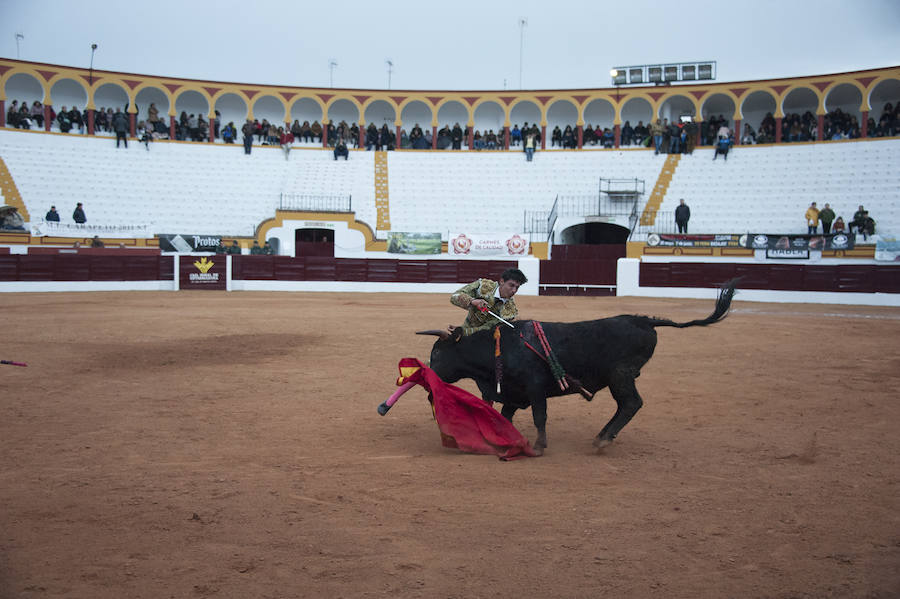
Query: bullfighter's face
x: 508, y: 288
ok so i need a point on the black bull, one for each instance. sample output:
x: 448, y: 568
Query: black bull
x: 598, y: 353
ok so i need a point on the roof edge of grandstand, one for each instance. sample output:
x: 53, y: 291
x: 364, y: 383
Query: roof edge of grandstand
x: 622, y: 89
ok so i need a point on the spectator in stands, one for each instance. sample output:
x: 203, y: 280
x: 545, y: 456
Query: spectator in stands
x: 724, y: 132
x: 826, y: 215
x: 62, y: 119
x: 868, y: 226
x: 477, y: 142
x: 641, y: 134
x: 144, y: 134
x: 152, y: 113
x: 272, y: 135
x: 247, y: 131
x: 491, y: 140
x: 838, y: 225
x: 568, y: 138
x: 11, y: 220
x: 37, y: 113
x: 723, y: 145
x: 120, y: 126
x: 656, y: 130
x: 217, y: 121
x: 191, y: 127
x: 530, y: 146
x: 812, y: 219
x: 372, y: 138
x: 340, y: 149
x: 354, y: 135
x: 495, y: 296
x: 285, y: 139
x: 234, y: 249
x: 859, y: 219
x: 52, y: 215
x: 749, y: 136
x: 674, y: 138
x: 96, y: 242
x: 76, y: 119
x: 220, y: 247
x: 404, y: 140
x: 457, y: 136
x: 627, y: 134
x: 386, y: 139
x: 228, y: 133
x: 256, y: 250
x: 78, y: 214
x: 12, y: 114
x: 690, y: 136
x: 682, y: 216
x: 267, y: 249
x: 316, y: 130
x: 515, y: 136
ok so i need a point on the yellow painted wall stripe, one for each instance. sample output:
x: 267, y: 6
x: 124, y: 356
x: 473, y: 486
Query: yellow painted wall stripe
x: 382, y: 195
x: 648, y: 217
x: 11, y: 195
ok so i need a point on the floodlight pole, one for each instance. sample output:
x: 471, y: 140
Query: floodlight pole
x: 390, y: 69
x: 523, y: 22
x: 331, y: 64
x: 91, y: 76
x: 19, y: 36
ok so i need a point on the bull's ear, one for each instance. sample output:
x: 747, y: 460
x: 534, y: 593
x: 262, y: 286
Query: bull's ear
x: 442, y: 334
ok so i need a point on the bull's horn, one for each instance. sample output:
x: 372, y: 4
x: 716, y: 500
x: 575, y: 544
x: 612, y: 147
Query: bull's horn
x: 442, y: 334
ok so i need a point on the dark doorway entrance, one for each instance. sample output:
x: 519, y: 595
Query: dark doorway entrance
x: 595, y: 233
x: 314, y: 242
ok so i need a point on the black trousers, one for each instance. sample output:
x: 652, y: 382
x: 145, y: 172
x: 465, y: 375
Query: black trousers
x: 121, y: 135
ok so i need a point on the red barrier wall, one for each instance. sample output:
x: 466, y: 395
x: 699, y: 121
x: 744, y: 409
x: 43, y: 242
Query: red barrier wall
x: 862, y: 278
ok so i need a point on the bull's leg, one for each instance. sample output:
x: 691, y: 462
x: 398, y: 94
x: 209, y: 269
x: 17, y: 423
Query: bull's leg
x: 539, y: 413
x: 508, y: 412
x: 628, y: 402
x: 488, y: 390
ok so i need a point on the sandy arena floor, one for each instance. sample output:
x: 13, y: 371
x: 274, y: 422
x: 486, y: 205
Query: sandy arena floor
x: 204, y: 444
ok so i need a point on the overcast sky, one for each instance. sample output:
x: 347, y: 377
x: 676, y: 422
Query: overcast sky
x: 458, y: 45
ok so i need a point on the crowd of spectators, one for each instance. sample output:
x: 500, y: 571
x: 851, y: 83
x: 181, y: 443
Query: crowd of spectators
x: 665, y: 137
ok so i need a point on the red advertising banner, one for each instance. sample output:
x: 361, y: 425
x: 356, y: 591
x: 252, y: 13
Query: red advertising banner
x: 202, y: 272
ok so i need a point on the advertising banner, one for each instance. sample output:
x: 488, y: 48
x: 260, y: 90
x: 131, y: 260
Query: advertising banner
x: 413, y: 243
x: 887, y: 250
x: 696, y: 241
x: 188, y: 243
x: 202, y: 272
x: 54, y: 229
x: 482, y: 246
x: 799, y: 243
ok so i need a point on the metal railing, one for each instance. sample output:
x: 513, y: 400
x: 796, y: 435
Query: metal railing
x: 315, y: 203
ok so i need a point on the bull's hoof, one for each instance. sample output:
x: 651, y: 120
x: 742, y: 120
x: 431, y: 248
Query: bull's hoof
x: 600, y: 442
x: 538, y: 450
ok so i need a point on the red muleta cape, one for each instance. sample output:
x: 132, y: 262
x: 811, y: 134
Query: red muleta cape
x: 466, y: 422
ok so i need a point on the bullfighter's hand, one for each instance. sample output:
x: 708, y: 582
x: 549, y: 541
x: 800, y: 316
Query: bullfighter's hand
x: 479, y: 304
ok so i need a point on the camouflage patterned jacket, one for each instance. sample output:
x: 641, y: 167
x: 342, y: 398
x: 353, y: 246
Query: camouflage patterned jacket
x: 483, y: 289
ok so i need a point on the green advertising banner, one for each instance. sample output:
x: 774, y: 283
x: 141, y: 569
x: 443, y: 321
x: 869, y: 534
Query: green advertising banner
x: 413, y: 243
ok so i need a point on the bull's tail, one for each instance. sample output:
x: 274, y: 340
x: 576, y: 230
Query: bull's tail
x: 723, y: 303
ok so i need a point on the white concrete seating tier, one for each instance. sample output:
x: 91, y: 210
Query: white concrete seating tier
x: 175, y: 187
x: 488, y: 192
x: 768, y: 189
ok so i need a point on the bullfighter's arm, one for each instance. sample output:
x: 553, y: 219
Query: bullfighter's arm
x: 464, y: 296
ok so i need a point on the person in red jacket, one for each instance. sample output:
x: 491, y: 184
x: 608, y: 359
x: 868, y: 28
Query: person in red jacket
x: 286, y: 139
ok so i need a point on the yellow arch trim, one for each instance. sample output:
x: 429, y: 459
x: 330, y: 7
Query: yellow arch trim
x: 371, y: 244
x: 875, y: 83
x: 23, y: 70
